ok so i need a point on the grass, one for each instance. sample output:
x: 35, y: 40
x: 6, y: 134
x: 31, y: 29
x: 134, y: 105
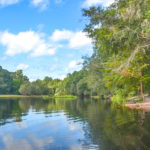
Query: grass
x: 95, y: 97
x: 66, y: 96
x: 37, y: 96
x: 19, y: 96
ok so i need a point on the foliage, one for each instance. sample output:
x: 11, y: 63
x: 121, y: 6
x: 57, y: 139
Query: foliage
x: 121, y: 59
x: 74, y: 84
x: 11, y: 82
x: 5, y: 82
x: 40, y: 87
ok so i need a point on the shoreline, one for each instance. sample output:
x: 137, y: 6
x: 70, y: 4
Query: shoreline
x: 144, y: 105
x: 66, y: 96
x: 36, y: 96
x: 20, y: 96
x: 140, y: 106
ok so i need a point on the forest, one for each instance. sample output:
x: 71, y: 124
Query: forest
x: 17, y: 83
x: 119, y: 68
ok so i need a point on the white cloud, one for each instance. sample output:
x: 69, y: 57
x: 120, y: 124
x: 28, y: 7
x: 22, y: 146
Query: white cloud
x: 75, y: 39
x: 73, y: 127
x: 22, y: 67
x: 42, y: 4
x: 76, y: 147
x: 75, y: 64
x: 8, y: 2
x: 79, y: 40
x: 60, y: 35
x: 26, y: 42
x: 21, y: 125
x: 105, y: 3
x: 22, y: 42
x: 43, y: 49
x: 31, y: 142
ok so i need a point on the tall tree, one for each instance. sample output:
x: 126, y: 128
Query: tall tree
x: 121, y: 37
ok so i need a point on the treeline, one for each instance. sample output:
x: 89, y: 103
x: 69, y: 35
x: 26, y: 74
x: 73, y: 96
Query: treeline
x: 10, y: 82
x: 17, y: 83
x: 74, y: 84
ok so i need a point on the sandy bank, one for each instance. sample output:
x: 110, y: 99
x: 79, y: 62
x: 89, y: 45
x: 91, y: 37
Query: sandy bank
x: 142, y: 106
x: 145, y: 105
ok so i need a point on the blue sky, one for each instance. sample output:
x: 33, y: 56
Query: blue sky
x: 44, y: 37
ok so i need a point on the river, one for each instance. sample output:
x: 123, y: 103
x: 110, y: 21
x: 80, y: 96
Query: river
x: 63, y: 124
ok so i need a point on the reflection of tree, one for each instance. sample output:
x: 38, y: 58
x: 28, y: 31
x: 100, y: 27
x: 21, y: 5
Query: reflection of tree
x: 4, y: 111
x: 104, y: 124
x: 15, y: 109
x: 144, y: 126
x: 116, y: 128
x: 111, y: 127
x: 9, y: 108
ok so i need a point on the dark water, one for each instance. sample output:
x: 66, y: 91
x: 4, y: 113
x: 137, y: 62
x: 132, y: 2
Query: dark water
x: 36, y: 124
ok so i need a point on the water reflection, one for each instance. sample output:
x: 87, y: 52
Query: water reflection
x: 32, y: 124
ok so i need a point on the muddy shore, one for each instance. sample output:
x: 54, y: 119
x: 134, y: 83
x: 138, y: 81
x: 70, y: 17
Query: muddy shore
x: 143, y: 106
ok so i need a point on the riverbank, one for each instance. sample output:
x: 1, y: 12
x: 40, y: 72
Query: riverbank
x: 66, y: 96
x: 37, y: 96
x: 141, y: 106
x: 145, y: 105
x: 19, y: 96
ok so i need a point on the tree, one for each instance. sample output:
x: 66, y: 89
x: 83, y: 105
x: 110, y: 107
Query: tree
x: 26, y: 89
x: 122, y: 46
x: 18, y: 80
x: 6, y: 85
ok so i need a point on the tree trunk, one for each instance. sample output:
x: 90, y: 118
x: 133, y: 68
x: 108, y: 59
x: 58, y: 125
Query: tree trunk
x: 141, y: 85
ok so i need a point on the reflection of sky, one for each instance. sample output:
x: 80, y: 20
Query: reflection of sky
x: 39, y: 132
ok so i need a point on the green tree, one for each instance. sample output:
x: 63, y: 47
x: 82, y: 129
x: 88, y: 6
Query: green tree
x: 122, y: 46
x: 6, y: 85
x: 18, y: 80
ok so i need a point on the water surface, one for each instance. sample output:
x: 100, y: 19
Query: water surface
x: 61, y: 124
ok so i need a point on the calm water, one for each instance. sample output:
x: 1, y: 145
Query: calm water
x: 36, y: 124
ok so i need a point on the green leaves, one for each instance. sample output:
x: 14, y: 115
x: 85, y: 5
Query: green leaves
x: 122, y: 44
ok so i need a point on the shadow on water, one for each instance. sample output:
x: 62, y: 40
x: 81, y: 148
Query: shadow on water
x: 71, y: 124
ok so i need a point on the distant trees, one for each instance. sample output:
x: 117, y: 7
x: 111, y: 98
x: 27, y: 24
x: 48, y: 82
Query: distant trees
x: 6, y: 80
x: 34, y: 88
x: 74, y: 84
x: 18, y: 80
x: 37, y: 87
x: 17, y: 83
x: 26, y: 89
x: 11, y: 82
x: 48, y: 86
